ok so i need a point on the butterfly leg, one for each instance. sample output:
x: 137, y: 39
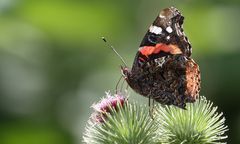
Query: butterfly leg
x: 122, y: 84
x: 151, y: 107
x: 118, y: 82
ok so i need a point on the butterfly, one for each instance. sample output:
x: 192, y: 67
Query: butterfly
x: 163, y: 69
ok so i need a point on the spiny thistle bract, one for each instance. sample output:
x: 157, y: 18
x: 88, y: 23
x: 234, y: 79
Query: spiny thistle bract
x: 130, y: 123
x: 199, y: 124
x: 124, y: 124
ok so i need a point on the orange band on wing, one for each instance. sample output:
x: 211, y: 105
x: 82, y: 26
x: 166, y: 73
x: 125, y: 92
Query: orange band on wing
x: 149, y: 50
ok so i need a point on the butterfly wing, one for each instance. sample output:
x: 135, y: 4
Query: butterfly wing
x: 193, y: 80
x: 162, y: 69
x: 164, y: 37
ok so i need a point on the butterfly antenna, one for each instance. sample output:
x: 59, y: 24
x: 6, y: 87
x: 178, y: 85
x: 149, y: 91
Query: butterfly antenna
x: 114, y: 50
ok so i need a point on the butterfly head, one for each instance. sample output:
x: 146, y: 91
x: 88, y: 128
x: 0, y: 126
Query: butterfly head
x: 125, y: 71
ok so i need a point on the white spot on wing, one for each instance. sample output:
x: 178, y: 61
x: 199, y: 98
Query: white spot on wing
x: 169, y: 29
x: 168, y: 37
x: 155, y: 29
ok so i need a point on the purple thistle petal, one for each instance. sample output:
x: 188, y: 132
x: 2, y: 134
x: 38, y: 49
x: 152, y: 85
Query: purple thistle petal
x: 105, y: 105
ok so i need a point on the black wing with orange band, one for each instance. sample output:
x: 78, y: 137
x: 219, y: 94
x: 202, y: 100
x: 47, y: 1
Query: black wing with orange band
x: 164, y: 37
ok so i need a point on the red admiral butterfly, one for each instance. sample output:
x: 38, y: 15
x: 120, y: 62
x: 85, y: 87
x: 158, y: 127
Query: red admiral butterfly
x: 162, y: 69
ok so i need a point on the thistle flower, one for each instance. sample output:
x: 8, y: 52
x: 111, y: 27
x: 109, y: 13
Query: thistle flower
x: 117, y: 121
x: 105, y: 105
x: 123, y: 123
x: 200, y: 124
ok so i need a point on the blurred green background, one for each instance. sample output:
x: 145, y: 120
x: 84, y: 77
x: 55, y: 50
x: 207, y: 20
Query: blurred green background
x: 54, y: 66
